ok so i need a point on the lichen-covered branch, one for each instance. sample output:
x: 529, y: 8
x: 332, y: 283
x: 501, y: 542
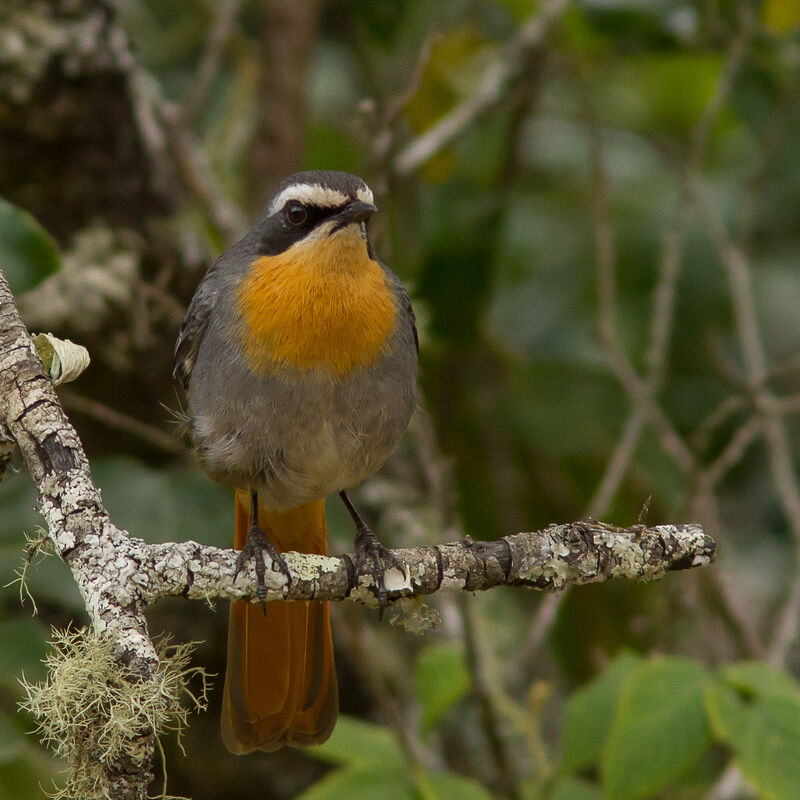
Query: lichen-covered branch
x: 78, y: 526
x: 118, y: 575
x: 587, y: 551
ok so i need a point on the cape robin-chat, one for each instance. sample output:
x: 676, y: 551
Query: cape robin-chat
x: 299, y: 357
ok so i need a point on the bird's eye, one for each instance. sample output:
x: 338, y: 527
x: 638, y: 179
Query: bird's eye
x: 296, y: 213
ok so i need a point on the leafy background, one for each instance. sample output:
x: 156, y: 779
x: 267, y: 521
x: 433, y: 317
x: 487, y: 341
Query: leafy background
x: 603, y: 260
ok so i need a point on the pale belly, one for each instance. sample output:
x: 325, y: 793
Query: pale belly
x: 298, y: 441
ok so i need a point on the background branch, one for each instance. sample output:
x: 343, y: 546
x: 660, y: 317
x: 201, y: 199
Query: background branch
x: 493, y: 88
x: 509, y: 151
x: 119, y: 576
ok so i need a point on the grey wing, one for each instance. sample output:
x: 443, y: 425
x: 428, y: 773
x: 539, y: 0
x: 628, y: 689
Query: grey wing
x: 220, y: 278
x: 405, y: 302
x: 412, y: 318
x: 194, y: 326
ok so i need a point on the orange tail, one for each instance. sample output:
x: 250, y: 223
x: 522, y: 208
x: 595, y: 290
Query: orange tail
x: 280, y: 685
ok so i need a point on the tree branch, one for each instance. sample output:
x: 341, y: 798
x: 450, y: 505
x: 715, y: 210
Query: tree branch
x: 118, y: 576
x: 553, y: 558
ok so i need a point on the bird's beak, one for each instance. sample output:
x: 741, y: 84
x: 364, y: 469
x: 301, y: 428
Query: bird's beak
x: 354, y: 212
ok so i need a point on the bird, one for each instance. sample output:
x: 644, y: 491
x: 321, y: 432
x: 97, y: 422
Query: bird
x: 298, y: 355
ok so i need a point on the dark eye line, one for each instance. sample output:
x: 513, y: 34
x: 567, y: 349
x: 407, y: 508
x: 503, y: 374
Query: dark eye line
x: 314, y: 211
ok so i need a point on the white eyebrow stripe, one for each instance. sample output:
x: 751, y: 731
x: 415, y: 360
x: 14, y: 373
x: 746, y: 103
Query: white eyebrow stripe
x: 364, y: 194
x: 309, y: 194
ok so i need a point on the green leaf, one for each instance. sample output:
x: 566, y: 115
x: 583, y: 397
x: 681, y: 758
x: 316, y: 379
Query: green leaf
x: 568, y: 787
x: 442, y: 679
x: 590, y: 712
x: 660, y: 728
x: 758, y: 678
x: 574, y: 789
x: 362, y: 783
x: 24, y: 647
x: 729, y: 714
x: 662, y: 90
x: 28, y: 253
x: 356, y: 743
x: 763, y: 730
x: 447, y: 785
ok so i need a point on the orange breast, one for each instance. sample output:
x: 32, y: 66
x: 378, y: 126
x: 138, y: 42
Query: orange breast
x: 321, y: 303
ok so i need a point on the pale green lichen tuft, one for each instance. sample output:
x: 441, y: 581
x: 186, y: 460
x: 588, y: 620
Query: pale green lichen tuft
x: 413, y: 615
x: 91, y: 710
x: 38, y: 546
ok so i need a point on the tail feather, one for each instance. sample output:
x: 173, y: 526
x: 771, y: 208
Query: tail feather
x: 280, y: 683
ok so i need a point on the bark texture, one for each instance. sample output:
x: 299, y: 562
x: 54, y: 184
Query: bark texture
x: 119, y: 576
x: 78, y: 525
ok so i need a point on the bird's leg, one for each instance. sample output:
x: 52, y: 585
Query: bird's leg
x: 369, y: 551
x: 256, y: 546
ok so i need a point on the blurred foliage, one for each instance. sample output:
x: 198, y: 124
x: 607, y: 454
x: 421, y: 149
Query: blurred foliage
x: 27, y: 252
x: 647, y: 691
x: 442, y: 679
x: 620, y: 723
x: 372, y: 764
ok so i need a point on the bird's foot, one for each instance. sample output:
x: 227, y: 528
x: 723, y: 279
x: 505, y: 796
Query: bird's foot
x: 374, y: 559
x: 256, y: 546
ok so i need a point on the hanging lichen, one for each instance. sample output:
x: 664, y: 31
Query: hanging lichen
x: 91, y: 710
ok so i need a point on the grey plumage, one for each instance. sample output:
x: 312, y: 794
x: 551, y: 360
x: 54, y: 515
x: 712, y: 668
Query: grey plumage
x: 294, y: 436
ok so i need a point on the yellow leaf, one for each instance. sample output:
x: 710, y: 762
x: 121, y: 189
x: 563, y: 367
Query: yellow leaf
x: 780, y: 16
x: 451, y: 72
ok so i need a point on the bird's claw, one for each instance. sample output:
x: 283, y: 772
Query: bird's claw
x: 256, y: 546
x: 373, y: 558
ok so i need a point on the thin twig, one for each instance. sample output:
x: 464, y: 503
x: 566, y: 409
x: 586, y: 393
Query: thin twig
x: 737, y: 269
x: 491, y: 90
x: 773, y: 140
x: 362, y: 657
x: 123, y: 422
x: 786, y: 629
x: 380, y: 133
x: 787, y: 405
x: 774, y: 427
x: 225, y: 13
x: 712, y: 422
x: 197, y: 174
x: 617, y: 464
x: 169, y: 141
x: 173, y: 144
x: 507, y: 772
x: 673, y: 238
x: 732, y: 453
x: 398, y: 105
x: 642, y: 391
x: 539, y: 629
x: 440, y: 479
